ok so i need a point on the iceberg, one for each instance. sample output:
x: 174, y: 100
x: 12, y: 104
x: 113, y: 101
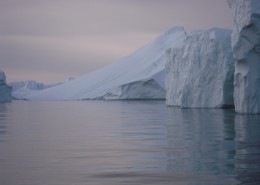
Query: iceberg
x: 140, y: 75
x: 200, y: 72
x: 5, y: 90
x: 246, y: 52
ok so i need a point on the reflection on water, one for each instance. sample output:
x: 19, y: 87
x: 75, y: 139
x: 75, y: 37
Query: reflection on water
x: 247, y: 160
x: 3, y: 119
x: 126, y: 142
x: 205, y: 142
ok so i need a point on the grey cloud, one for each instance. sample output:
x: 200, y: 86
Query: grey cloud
x: 63, y: 17
x: 63, y: 55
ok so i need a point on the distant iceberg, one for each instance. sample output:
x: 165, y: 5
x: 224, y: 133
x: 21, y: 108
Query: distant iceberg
x: 139, y: 75
x: 5, y: 90
x: 22, y: 89
x: 27, y: 85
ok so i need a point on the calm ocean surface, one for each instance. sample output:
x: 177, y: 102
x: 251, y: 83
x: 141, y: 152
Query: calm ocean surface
x: 126, y: 143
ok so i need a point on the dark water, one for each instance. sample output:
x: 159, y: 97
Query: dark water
x: 126, y: 143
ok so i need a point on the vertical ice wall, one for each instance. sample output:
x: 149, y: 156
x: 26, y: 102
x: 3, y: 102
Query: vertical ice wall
x: 199, y: 73
x: 246, y: 52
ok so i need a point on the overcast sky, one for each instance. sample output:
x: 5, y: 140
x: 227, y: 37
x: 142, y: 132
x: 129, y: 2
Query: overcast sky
x: 51, y: 40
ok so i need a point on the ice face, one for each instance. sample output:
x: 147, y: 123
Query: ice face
x: 199, y: 73
x: 246, y: 51
x: 146, y: 89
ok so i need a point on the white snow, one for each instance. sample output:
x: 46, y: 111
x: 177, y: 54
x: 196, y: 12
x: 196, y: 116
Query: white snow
x: 5, y: 90
x: 246, y: 52
x: 199, y: 73
x: 140, y: 72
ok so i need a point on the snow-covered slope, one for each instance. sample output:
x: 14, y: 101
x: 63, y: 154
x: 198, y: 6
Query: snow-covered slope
x: 246, y: 51
x: 132, y: 72
x: 5, y: 90
x: 199, y: 73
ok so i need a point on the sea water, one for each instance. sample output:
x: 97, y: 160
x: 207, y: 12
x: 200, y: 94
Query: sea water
x: 126, y: 143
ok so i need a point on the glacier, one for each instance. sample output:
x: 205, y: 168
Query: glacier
x: 140, y: 75
x: 246, y: 52
x: 5, y: 90
x: 200, y: 72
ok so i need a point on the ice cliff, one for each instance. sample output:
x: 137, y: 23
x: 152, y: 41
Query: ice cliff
x: 199, y: 73
x: 5, y: 90
x: 246, y: 52
x: 139, y: 75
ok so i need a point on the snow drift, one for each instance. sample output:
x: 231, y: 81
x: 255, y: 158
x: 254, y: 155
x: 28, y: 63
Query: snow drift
x: 246, y: 51
x: 5, y: 90
x: 139, y: 75
x: 199, y: 73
